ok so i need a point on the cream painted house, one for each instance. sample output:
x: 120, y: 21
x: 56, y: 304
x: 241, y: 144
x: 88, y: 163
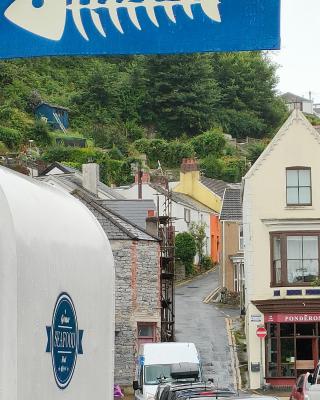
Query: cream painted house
x: 281, y: 218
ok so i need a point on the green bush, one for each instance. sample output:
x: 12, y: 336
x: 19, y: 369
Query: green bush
x: 170, y: 154
x: 212, y: 142
x: 40, y: 133
x: 3, y: 148
x: 206, y: 263
x: 255, y: 149
x: 185, y: 250
x: 227, y: 168
x: 10, y: 137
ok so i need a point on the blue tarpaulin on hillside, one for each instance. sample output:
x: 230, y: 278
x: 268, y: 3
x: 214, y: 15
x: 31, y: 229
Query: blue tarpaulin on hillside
x: 93, y: 27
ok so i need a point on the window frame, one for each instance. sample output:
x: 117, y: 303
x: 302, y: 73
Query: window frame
x: 187, y: 215
x: 298, y: 169
x: 241, y: 238
x: 283, y: 254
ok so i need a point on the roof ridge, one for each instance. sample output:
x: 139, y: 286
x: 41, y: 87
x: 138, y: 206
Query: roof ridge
x: 103, y: 209
x: 296, y: 115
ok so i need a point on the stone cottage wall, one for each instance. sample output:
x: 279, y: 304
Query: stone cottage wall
x: 137, y: 299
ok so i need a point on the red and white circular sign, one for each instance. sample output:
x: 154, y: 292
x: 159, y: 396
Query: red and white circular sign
x: 261, y: 332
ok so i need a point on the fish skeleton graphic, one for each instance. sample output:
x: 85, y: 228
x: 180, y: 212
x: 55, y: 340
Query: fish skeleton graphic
x: 49, y: 19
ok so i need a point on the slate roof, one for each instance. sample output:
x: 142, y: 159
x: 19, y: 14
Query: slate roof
x: 135, y: 211
x: 215, y: 185
x: 115, y: 226
x: 231, y: 205
x: 184, y: 199
x: 293, y: 98
x: 75, y: 176
x: 52, y: 106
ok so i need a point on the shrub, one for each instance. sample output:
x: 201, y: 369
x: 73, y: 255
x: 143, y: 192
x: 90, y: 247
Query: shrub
x: 3, y: 148
x: 169, y: 153
x: 211, y: 142
x: 185, y: 250
x: 255, y: 149
x: 206, y: 263
x: 10, y: 137
x: 40, y: 133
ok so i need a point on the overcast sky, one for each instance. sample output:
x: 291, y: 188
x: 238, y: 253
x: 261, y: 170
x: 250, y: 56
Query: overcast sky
x: 299, y: 57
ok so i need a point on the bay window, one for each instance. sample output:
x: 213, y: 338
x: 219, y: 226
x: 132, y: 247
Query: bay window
x: 295, y: 258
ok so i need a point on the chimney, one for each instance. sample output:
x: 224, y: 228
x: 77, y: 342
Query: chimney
x: 152, y: 225
x: 145, y: 177
x: 189, y: 165
x: 90, y: 177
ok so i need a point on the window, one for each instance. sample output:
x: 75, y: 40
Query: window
x: 299, y: 186
x: 187, y: 215
x: 295, y: 258
x: 146, y: 332
x: 291, y: 348
x: 241, y: 247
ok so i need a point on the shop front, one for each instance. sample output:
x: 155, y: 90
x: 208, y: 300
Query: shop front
x: 292, y: 345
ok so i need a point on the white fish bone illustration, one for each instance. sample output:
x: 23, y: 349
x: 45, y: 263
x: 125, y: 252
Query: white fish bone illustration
x: 49, y: 19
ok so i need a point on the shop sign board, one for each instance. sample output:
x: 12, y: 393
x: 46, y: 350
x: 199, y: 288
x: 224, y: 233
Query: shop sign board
x: 298, y: 317
x: 261, y: 332
x: 89, y: 27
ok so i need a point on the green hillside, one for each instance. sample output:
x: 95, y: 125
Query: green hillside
x: 169, y: 107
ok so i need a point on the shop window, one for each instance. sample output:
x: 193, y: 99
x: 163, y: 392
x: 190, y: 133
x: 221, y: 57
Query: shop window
x: 291, y: 348
x: 287, y: 357
x: 305, y: 329
x: 286, y: 330
x: 298, y: 186
x: 295, y: 258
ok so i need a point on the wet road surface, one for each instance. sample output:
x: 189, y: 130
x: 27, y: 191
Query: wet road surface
x: 204, y: 325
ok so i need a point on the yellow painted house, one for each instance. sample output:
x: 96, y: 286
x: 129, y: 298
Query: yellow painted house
x: 207, y: 191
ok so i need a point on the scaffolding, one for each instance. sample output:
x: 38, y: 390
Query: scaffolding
x: 166, y: 233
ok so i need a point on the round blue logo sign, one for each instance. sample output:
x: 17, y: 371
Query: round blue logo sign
x: 64, y: 340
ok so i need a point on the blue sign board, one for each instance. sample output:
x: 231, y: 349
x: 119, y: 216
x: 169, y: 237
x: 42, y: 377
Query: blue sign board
x: 89, y: 27
x: 64, y: 340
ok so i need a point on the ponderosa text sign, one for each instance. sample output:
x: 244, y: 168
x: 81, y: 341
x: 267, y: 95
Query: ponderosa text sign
x: 89, y: 27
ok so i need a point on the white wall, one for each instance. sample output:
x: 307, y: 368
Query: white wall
x: 50, y: 244
x: 177, y: 210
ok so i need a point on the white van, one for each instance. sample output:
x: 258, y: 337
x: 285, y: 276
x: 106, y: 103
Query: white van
x: 155, y: 363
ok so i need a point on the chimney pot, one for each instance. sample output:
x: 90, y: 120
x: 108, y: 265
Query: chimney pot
x: 189, y: 164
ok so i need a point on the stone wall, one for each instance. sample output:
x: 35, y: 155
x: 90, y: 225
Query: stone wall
x: 137, y: 299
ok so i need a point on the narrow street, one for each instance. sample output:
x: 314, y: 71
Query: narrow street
x: 204, y: 325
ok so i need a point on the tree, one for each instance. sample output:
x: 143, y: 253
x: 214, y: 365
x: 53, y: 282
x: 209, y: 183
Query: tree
x: 248, y: 82
x: 198, y: 231
x: 181, y: 94
x: 185, y: 250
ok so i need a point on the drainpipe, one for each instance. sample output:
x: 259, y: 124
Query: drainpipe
x: 223, y: 255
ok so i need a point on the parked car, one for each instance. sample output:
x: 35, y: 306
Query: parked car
x: 199, y: 390
x: 299, y: 390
